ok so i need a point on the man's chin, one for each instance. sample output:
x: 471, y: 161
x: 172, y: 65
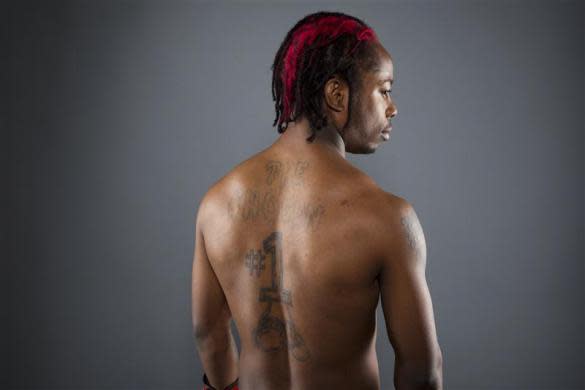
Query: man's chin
x: 363, y: 149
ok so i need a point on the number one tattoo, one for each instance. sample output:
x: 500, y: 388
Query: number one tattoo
x: 273, y: 333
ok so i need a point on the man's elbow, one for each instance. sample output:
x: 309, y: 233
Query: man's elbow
x: 214, y: 337
x: 433, y: 380
x: 412, y: 376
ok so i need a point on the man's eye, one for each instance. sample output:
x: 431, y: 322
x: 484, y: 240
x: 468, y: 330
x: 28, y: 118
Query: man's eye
x: 387, y: 91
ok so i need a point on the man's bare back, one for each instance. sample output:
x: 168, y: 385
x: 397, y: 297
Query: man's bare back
x: 298, y: 246
x: 297, y: 243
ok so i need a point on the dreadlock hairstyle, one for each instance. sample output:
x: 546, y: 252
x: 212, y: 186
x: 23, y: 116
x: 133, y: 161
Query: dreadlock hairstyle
x: 318, y: 46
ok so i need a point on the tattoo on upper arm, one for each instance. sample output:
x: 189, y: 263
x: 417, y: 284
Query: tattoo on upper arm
x: 274, y: 333
x: 413, y: 230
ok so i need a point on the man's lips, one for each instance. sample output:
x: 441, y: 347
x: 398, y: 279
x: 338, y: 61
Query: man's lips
x: 386, y: 133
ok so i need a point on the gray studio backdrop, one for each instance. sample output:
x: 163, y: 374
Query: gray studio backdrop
x: 122, y: 113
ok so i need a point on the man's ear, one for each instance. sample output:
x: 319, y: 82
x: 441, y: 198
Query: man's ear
x: 336, y: 94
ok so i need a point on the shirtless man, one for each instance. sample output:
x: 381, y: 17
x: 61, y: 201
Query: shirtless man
x: 297, y: 246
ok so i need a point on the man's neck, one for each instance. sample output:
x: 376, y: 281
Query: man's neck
x: 327, y: 138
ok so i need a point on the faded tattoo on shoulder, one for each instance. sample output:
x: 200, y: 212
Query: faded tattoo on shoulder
x: 274, y: 333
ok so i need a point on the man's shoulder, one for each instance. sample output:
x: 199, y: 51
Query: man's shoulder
x: 382, y: 203
x: 225, y: 187
x: 383, y: 215
x: 395, y: 205
x: 213, y: 201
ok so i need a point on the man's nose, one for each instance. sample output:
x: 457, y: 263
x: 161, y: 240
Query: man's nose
x: 392, y: 111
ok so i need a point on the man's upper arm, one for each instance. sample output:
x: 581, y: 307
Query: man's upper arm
x: 210, y: 311
x: 405, y: 296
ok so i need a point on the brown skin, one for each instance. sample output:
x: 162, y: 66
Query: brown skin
x: 297, y: 246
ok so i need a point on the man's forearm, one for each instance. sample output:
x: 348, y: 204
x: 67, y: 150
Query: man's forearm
x: 219, y: 355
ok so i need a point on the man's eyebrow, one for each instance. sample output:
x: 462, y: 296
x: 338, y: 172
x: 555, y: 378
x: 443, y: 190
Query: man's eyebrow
x: 386, y: 80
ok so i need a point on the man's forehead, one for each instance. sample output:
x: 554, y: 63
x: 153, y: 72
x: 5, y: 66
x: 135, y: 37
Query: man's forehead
x: 384, y: 69
x: 383, y: 73
x: 386, y: 74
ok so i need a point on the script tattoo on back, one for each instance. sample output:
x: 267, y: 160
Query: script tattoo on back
x: 274, y: 333
x: 254, y: 204
x: 278, y: 172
